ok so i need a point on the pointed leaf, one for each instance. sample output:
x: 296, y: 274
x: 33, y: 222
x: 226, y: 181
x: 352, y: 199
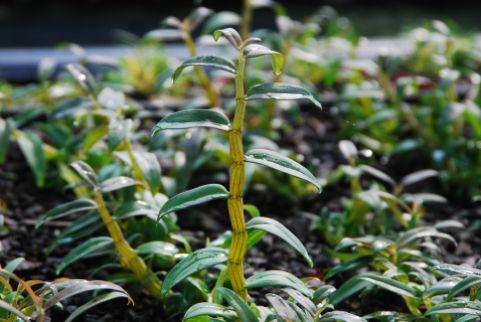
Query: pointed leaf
x: 377, y: 174
x: 231, y: 35
x: 96, y: 301
x: 194, y: 197
x: 193, y: 263
x: 464, y: 284
x: 92, y: 245
x: 193, y: 118
x: 210, y: 61
x: 257, y: 50
x: 219, y: 20
x: 243, y: 310
x: 340, y: 316
x: 209, y: 309
x: 32, y: 149
x: 67, y: 209
x: 278, y: 278
x: 118, y: 130
x: 280, y: 91
x: 418, y: 176
x: 85, y: 171
x: 197, y: 16
x: 117, y: 183
x: 276, y: 228
x: 83, y: 77
x: 279, y: 162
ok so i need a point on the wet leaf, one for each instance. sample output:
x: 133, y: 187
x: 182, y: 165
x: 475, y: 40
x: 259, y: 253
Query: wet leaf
x: 83, y: 77
x: 243, y: 310
x: 96, y: 301
x: 193, y: 118
x: 280, y: 91
x: 257, y: 50
x: 85, y: 172
x: 209, y: 61
x: 117, y: 183
x: 209, y: 309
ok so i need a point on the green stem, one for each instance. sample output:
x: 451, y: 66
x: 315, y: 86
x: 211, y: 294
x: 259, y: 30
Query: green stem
x: 201, y: 76
x: 235, y: 265
x: 128, y: 257
x: 246, y: 19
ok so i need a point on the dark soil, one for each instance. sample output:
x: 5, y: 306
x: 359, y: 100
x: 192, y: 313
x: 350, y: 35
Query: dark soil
x: 316, y: 139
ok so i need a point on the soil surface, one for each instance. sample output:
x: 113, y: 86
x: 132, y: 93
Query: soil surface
x: 316, y: 139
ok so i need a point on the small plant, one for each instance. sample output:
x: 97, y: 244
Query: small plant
x: 30, y: 300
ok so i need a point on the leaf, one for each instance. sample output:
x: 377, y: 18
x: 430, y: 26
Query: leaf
x: 93, y: 137
x: 9, y: 308
x: 210, y: 61
x: 197, y: 16
x: 193, y: 118
x: 82, y: 76
x: 150, y: 167
x: 243, y: 310
x: 32, y: 149
x: 377, y: 174
x: 117, y: 183
x: 418, y: 176
x: 422, y: 232
x: 193, y: 263
x: 96, y: 301
x: 76, y: 286
x: 283, y: 310
x: 219, y: 20
x: 164, y: 34
x: 231, y: 35
x: 257, y: 50
x: 92, y: 245
x: 340, y: 316
x: 279, y: 162
x: 278, y: 278
x: 209, y: 309
x: 162, y: 249
x: 389, y: 284
x: 464, y: 284
x: 276, y: 228
x: 118, y: 130
x: 194, y: 197
x: 280, y: 91
x: 85, y: 171
x: 5, y: 131
x: 302, y: 300
x: 347, y: 289
x: 67, y: 209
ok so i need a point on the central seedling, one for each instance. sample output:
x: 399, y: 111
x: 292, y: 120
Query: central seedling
x: 246, y: 49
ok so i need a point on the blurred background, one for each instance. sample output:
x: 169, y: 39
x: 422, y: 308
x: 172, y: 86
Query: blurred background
x: 33, y: 23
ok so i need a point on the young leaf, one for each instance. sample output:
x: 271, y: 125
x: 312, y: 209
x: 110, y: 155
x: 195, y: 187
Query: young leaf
x: 117, y: 183
x: 67, y: 209
x: 92, y: 245
x: 280, y: 91
x: 193, y: 263
x: 231, y: 35
x: 256, y: 50
x: 278, y: 278
x: 279, y: 162
x: 209, y: 309
x: 194, y: 197
x: 83, y: 77
x: 210, y: 61
x: 276, y: 228
x: 85, y: 172
x: 193, y: 118
x: 243, y: 310
x: 32, y: 149
x: 418, y: 176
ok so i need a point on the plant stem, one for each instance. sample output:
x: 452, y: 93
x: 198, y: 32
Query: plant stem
x: 235, y: 265
x: 246, y: 19
x: 202, y: 77
x: 128, y: 257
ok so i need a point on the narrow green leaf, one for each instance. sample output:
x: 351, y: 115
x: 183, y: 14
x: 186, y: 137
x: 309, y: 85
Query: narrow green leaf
x: 96, y: 301
x: 280, y: 91
x: 278, y: 278
x: 193, y: 118
x: 83, y: 77
x: 85, y: 171
x: 377, y: 174
x: 418, y: 176
x: 5, y: 131
x: 465, y: 284
x: 116, y: 183
x: 209, y: 309
x: 193, y: 263
x: 84, y: 249
x: 276, y: 228
x: 347, y: 289
x: 158, y: 248
x: 210, y: 61
x: 257, y: 50
x: 243, y: 310
x: 389, y: 284
x: 283, y: 310
x: 67, y: 209
x: 279, y: 162
x: 118, y: 130
x: 231, y: 35
x: 194, y: 197
x: 32, y: 149
x: 93, y: 137
x: 340, y: 316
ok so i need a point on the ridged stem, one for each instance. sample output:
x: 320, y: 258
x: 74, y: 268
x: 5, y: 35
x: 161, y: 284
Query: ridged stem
x: 235, y: 264
x: 128, y: 257
x: 201, y: 76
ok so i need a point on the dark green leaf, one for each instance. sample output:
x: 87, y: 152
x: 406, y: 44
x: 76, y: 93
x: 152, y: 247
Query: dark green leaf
x: 83, y: 77
x: 194, y: 197
x: 231, y: 35
x: 243, y: 310
x: 117, y: 183
x: 280, y: 91
x: 118, y: 130
x: 279, y: 162
x: 32, y: 149
x: 209, y: 309
x: 5, y: 131
x: 257, y: 50
x: 96, y: 301
x: 278, y: 278
x: 210, y: 61
x: 85, y: 171
x: 193, y: 118
x: 67, y: 209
